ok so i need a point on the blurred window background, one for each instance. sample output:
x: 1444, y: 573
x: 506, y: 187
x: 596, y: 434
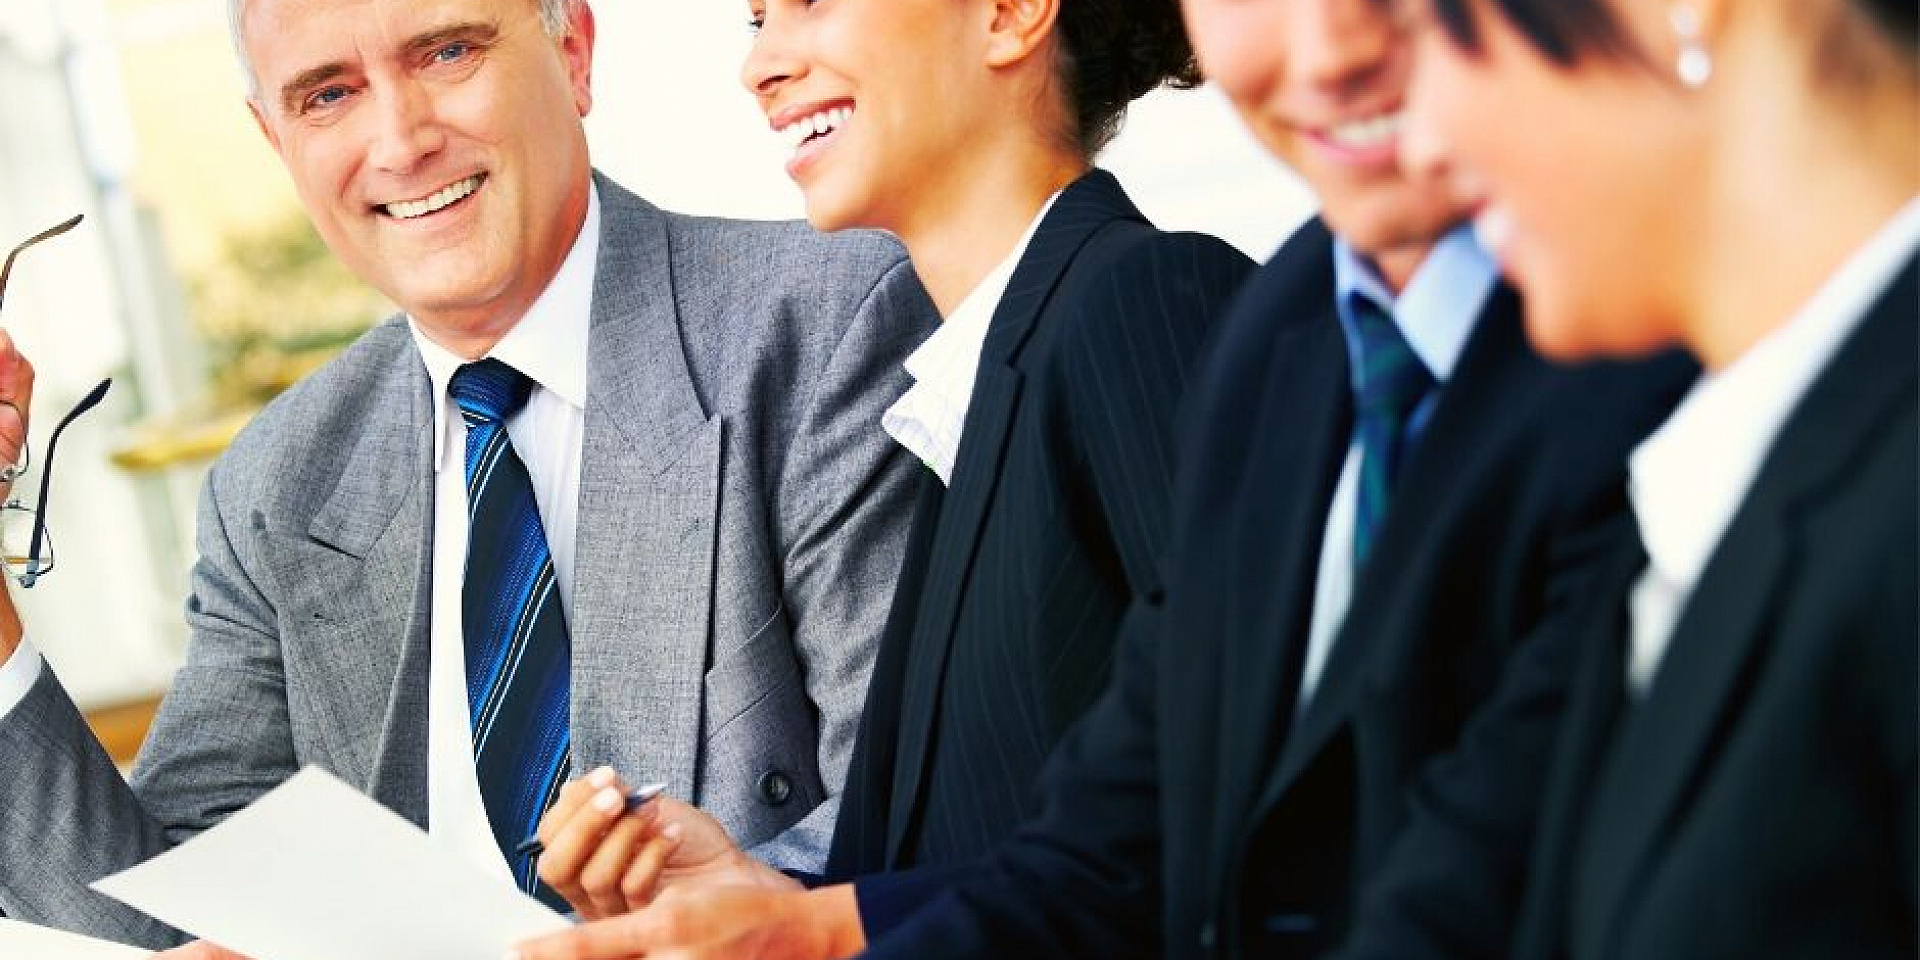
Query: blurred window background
x: 197, y: 284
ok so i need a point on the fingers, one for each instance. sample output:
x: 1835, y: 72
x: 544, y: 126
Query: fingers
x: 16, y: 395
x: 560, y: 861
x: 198, y: 950
x: 603, y: 875
x: 624, y: 936
x: 641, y: 881
x: 589, y: 843
x: 572, y: 797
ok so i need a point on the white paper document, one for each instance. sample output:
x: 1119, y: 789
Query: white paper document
x: 24, y: 940
x: 313, y: 870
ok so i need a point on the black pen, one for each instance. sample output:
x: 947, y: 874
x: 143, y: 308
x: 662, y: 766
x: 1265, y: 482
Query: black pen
x: 635, y: 800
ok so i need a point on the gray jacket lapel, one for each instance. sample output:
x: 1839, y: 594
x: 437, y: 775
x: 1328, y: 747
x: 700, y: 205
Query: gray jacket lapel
x: 356, y: 598
x: 649, y: 489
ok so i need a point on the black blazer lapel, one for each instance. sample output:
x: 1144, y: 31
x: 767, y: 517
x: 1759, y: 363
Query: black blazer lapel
x: 1496, y: 368
x: 1700, y: 685
x: 1082, y: 209
x: 1297, y: 460
x: 1264, y: 536
x: 1594, y: 702
x: 861, y: 834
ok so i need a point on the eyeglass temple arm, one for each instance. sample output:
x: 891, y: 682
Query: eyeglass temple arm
x: 46, y: 234
x: 88, y: 402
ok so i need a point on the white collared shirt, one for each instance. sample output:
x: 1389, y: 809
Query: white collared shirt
x: 1436, y: 313
x: 18, y: 675
x: 1691, y: 475
x: 549, y: 345
x: 928, y: 418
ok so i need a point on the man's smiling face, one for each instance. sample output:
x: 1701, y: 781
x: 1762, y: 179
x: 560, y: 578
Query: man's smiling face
x: 436, y: 144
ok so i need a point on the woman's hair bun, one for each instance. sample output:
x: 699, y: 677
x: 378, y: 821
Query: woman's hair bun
x: 1114, y: 52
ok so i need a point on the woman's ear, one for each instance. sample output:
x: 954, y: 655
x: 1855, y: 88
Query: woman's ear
x: 1019, y: 27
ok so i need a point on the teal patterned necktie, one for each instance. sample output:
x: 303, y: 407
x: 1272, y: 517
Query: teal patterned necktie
x: 1393, y: 381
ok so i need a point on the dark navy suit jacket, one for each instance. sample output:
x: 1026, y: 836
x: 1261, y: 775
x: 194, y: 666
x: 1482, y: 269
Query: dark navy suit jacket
x: 1191, y: 813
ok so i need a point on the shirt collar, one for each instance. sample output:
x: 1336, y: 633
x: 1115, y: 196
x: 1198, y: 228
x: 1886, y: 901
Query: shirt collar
x: 1439, y: 307
x: 929, y: 416
x: 1690, y: 476
x: 548, y: 344
x: 963, y: 332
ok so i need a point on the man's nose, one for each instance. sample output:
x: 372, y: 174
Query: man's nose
x: 1340, y: 46
x: 406, y: 130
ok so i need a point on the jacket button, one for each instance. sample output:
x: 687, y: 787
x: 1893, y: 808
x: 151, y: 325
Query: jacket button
x: 775, y: 788
x: 1209, y: 935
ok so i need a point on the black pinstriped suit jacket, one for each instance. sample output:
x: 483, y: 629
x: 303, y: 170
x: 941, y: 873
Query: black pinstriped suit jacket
x: 1003, y: 624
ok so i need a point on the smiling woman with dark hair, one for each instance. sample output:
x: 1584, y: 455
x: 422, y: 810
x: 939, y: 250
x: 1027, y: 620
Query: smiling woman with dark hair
x: 1043, y: 409
x: 1735, y: 774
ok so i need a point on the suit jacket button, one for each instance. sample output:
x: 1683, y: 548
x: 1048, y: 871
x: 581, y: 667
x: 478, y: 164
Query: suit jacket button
x: 1209, y: 935
x: 775, y: 788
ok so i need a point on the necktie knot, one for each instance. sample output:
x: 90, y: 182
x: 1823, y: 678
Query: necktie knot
x: 489, y: 390
x: 1392, y: 379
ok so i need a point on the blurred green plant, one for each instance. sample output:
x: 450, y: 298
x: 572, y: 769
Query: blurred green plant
x: 276, y: 306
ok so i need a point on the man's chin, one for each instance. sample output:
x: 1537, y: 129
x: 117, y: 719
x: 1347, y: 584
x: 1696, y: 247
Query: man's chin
x: 459, y: 311
x: 1384, y: 227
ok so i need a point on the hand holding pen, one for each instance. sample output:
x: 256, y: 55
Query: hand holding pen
x: 604, y: 799
x: 610, y: 850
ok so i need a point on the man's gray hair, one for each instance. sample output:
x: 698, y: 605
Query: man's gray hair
x: 554, y: 15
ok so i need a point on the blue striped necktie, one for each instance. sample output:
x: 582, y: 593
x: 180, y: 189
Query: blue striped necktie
x: 516, y: 633
x: 1393, y: 381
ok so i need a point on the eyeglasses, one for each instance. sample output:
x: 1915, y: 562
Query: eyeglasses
x: 26, y: 548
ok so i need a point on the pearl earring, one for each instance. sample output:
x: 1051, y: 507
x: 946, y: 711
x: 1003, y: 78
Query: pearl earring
x: 1694, y: 65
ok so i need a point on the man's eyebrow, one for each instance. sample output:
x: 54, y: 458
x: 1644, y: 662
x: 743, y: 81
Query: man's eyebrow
x: 295, y: 90
x: 475, y: 31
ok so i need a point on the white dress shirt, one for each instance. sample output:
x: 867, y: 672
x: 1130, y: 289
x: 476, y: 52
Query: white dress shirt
x: 17, y: 676
x: 549, y: 345
x: 1690, y: 477
x: 1436, y: 313
x: 928, y: 418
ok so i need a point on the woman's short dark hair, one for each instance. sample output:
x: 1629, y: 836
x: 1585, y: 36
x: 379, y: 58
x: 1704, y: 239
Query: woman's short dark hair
x: 1563, y: 30
x: 1111, y: 53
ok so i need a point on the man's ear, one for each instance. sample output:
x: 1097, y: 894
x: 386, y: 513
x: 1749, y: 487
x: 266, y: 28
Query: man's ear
x: 1019, y: 28
x: 260, y: 120
x: 577, y: 47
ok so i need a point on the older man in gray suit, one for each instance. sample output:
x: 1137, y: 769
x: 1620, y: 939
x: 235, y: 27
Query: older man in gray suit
x: 674, y: 558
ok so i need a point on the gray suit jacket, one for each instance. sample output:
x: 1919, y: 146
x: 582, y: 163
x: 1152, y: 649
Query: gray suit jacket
x: 742, y: 517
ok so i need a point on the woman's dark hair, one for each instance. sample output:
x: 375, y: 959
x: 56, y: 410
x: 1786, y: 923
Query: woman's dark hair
x: 1563, y: 30
x: 1111, y: 53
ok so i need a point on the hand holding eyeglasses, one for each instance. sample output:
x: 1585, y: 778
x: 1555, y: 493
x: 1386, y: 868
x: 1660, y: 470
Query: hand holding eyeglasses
x: 25, y: 549
x: 16, y: 392
x: 16, y: 374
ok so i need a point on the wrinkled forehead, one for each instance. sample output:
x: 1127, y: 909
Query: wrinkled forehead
x: 276, y: 39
